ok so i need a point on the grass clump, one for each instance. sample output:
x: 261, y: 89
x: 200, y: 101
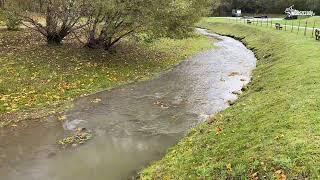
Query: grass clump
x: 273, y: 131
x: 37, y: 78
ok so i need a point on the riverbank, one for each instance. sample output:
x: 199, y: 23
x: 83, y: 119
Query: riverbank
x: 272, y: 132
x: 37, y: 80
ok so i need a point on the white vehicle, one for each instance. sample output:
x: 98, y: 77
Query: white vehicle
x: 294, y: 14
x: 236, y: 12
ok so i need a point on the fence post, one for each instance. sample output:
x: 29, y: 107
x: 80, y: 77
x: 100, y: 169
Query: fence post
x: 305, y: 29
x: 285, y: 26
x: 291, y: 25
x: 267, y: 22
x: 271, y: 22
x: 299, y: 26
x: 314, y: 24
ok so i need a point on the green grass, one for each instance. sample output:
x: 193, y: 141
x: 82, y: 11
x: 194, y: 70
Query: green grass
x: 273, y: 131
x: 37, y: 78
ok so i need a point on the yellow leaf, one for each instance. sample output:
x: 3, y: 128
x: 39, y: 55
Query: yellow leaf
x: 229, y: 167
x: 218, y: 130
x: 62, y: 118
x: 280, y: 175
x: 97, y: 100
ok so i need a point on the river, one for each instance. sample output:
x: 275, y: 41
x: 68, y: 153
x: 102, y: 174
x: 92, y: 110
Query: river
x: 133, y: 125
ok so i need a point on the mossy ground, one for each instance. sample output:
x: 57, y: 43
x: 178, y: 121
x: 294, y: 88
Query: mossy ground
x: 273, y: 131
x: 38, y: 78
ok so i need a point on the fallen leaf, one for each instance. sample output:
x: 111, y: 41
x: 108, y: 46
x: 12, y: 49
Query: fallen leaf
x: 229, y: 167
x: 97, y: 100
x: 234, y: 74
x: 62, y: 118
x: 254, y: 176
x: 218, y: 130
x: 280, y: 175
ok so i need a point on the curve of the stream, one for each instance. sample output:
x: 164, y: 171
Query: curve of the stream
x: 133, y: 125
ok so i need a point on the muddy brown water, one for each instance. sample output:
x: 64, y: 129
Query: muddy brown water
x: 133, y: 125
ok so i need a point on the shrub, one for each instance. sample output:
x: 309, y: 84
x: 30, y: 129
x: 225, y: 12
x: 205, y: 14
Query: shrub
x: 13, y: 22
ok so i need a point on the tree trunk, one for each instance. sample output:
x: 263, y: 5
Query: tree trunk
x: 97, y: 42
x: 2, y: 3
x: 54, y: 39
x: 93, y: 43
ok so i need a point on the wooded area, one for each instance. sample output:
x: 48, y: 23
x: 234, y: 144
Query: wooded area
x: 224, y: 7
x: 102, y: 23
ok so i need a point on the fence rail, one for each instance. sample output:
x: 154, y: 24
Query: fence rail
x: 286, y: 25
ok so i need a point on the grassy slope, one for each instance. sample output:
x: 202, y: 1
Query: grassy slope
x: 273, y: 131
x: 34, y: 76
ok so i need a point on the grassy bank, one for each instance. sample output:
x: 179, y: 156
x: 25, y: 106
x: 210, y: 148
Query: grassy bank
x: 273, y: 131
x: 36, y: 79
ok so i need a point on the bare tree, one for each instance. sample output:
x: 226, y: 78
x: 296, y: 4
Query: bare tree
x: 113, y: 20
x: 62, y: 17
